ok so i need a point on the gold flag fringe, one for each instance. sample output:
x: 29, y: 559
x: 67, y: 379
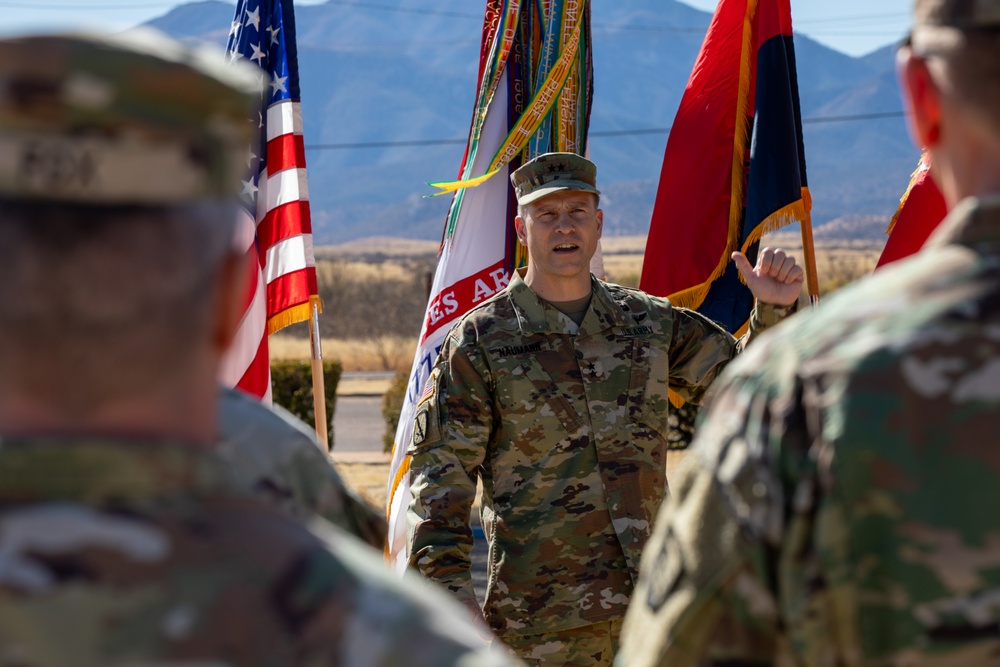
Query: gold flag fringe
x: 797, y: 211
x: 404, y: 470
x: 906, y: 194
x: 293, y: 315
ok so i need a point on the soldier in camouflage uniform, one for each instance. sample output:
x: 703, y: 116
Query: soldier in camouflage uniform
x: 281, y: 460
x: 839, y: 504
x: 554, y: 394
x: 124, y: 539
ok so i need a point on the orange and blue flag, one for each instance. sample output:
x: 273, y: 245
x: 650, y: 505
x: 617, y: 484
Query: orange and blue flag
x: 734, y: 167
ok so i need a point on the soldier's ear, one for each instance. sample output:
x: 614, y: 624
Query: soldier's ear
x: 521, y: 229
x: 921, y: 96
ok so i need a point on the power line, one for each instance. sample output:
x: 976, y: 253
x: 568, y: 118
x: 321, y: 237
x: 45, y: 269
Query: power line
x: 385, y: 144
x: 108, y: 7
x: 862, y: 116
x: 416, y: 10
x: 411, y: 10
x: 599, y: 134
x: 866, y: 17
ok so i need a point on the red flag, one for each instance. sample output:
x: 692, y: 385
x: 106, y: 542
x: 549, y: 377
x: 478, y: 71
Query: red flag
x: 734, y: 166
x: 921, y: 210
x: 280, y: 235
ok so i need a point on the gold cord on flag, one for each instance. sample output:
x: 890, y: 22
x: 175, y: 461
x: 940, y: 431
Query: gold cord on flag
x: 529, y: 121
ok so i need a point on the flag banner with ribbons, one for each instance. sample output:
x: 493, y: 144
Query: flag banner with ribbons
x: 534, y: 96
x: 734, y: 166
x: 277, y: 230
x: 921, y: 210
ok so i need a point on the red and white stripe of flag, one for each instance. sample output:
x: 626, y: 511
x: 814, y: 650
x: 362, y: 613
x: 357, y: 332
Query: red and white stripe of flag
x: 284, y: 282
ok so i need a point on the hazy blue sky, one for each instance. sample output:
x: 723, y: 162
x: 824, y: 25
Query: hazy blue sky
x: 852, y: 26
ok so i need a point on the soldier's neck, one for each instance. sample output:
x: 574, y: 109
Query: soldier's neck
x: 137, y: 418
x: 558, y: 288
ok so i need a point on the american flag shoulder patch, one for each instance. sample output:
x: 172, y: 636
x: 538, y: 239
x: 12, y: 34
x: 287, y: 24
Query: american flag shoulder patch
x: 430, y: 388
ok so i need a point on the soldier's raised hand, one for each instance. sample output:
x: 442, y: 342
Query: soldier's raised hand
x: 776, y: 279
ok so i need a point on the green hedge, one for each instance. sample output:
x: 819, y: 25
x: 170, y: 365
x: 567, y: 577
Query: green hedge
x: 392, y: 403
x: 291, y: 388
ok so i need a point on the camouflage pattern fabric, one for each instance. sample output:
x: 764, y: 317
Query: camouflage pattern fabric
x: 680, y: 425
x: 280, y: 459
x: 143, y: 553
x: 593, y: 645
x: 565, y: 426
x: 836, y: 505
x: 131, y: 118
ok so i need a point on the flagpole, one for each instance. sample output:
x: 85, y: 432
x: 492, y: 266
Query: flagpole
x: 809, y: 259
x: 319, y: 384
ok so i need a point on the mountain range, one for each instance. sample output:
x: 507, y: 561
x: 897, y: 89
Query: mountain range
x: 375, y: 73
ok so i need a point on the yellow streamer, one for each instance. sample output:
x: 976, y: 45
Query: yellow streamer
x: 529, y: 121
x: 452, y: 186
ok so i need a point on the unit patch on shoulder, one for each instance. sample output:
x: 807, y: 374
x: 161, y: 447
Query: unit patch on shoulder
x: 420, y: 427
x: 421, y: 419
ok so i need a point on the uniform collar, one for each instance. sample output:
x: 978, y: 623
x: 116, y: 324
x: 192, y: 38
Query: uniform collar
x: 973, y: 221
x: 536, y: 316
x: 92, y: 470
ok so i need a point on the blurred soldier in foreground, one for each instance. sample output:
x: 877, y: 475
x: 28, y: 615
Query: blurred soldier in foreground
x: 554, y: 394
x: 280, y: 459
x: 840, y: 506
x: 123, y: 539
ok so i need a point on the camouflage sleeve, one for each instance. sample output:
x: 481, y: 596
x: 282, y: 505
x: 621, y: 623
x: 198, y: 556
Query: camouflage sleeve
x: 277, y: 455
x: 700, y: 348
x: 322, y: 489
x: 451, y: 431
x: 763, y: 317
x: 709, y: 579
x: 364, y: 615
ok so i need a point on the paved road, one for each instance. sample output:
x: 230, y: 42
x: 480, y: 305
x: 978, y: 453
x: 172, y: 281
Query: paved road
x: 357, y: 424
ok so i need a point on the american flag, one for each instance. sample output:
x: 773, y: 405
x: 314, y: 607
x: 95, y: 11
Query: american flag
x: 277, y: 230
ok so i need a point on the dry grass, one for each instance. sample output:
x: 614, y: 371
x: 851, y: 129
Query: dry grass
x: 838, y: 263
x: 368, y: 478
x: 362, y: 271
x: 387, y: 353
x: 624, y: 269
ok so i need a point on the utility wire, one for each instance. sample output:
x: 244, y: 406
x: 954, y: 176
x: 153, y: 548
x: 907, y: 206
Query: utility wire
x: 417, y: 10
x: 108, y: 7
x: 410, y: 10
x: 599, y: 134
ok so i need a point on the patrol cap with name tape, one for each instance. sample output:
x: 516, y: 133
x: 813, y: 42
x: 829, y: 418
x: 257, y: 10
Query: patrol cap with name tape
x: 134, y: 118
x: 552, y: 172
x: 960, y: 14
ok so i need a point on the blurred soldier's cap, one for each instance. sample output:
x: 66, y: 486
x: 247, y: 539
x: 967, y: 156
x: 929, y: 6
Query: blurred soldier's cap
x: 553, y: 172
x: 136, y: 118
x: 959, y: 14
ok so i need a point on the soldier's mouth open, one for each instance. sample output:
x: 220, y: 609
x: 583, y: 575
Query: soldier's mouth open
x: 566, y: 247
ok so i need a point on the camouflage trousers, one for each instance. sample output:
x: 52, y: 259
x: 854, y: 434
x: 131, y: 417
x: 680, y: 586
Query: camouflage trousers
x: 592, y: 645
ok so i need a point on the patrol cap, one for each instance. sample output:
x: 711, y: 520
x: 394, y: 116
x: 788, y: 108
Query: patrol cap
x: 960, y: 14
x: 552, y: 172
x: 135, y: 118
